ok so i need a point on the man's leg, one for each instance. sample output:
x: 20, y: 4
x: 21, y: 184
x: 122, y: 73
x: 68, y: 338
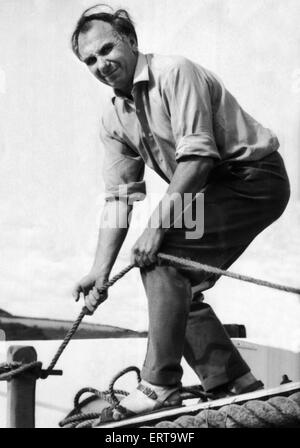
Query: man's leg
x: 209, y: 350
x: 178, y: 326
x: 204, y: 341
x: 169, y: 300
x: 239, y: 204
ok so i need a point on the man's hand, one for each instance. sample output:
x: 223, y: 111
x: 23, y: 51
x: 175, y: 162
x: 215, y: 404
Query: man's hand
x: 146, y: 247
x: 89, y: 286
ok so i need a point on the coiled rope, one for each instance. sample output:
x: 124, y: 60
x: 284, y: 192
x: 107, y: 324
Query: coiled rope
x: 78, y: 419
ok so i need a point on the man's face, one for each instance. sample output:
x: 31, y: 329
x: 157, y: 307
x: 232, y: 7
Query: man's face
x: 109, y: 56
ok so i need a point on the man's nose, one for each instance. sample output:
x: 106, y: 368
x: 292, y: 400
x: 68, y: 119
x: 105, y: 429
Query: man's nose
x: 102, y: 65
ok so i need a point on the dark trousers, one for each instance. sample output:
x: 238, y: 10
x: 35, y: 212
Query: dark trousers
x: 240, y: 200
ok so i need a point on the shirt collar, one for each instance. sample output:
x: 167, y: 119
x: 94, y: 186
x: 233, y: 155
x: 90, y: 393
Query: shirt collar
x: 141, y: 74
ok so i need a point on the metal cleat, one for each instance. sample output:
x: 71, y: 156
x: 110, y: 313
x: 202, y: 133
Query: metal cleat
x: 45, y: 373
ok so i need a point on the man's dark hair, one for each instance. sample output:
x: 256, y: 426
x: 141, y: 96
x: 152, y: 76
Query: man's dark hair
x: 120, y: 21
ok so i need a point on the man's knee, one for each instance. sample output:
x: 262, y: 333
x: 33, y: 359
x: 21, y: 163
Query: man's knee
x: 163, y: 276
x: 277, y: 207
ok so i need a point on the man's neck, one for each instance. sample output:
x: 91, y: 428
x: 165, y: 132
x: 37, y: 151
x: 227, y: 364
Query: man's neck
x: 127, y: 90
x: 127, y: 93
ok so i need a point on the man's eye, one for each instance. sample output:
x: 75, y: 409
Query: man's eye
x: 90, y: 61
x: 106, y: 50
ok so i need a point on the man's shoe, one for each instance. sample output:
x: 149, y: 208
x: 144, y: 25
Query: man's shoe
x: 145, y: 399
x: 225, y: 392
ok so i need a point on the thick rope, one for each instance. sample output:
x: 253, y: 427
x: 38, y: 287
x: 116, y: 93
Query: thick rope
x: 13, y: 372
x: 274, y: 413
x: 174, y: 261
x: 7, y: 366
x: 213, y: 270
x: 279, y: 411
x: 83, y: 312
x: 10, y: 371
x: 170, y: 259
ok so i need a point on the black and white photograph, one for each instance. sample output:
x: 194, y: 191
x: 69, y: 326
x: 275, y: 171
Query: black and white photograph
x: 149, y: 217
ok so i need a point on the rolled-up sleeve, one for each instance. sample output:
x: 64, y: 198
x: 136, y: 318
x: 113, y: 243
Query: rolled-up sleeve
x: 189, y: 103
x: 123, y: 169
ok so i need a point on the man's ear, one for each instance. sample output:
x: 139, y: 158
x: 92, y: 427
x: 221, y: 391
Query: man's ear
x: 133, y: 43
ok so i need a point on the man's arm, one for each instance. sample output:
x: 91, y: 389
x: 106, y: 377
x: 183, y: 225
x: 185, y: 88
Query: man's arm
x: 112, y: 233
x: 190, y: 176
x: 189, y: 101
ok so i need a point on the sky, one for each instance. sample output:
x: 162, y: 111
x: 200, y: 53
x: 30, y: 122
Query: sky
x: 51, y: 188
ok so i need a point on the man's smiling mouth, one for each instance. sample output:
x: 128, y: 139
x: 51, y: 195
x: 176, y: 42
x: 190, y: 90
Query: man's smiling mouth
x: 108, y: 75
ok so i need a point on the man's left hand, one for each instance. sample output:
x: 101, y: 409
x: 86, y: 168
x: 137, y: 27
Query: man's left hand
x: 146, y: 247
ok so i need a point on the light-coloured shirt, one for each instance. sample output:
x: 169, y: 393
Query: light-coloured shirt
x: 179, y: 109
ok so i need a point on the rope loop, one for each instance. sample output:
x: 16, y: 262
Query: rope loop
x: 14, y: 370
x: 118, y: 376
x: 77, y: 419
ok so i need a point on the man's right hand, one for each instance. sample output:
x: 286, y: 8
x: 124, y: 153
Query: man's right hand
x: 88, y: 287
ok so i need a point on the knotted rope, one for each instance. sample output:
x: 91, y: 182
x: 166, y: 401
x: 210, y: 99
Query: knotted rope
x: 12, y: 370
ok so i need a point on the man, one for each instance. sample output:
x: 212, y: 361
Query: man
x: 179, y: 119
